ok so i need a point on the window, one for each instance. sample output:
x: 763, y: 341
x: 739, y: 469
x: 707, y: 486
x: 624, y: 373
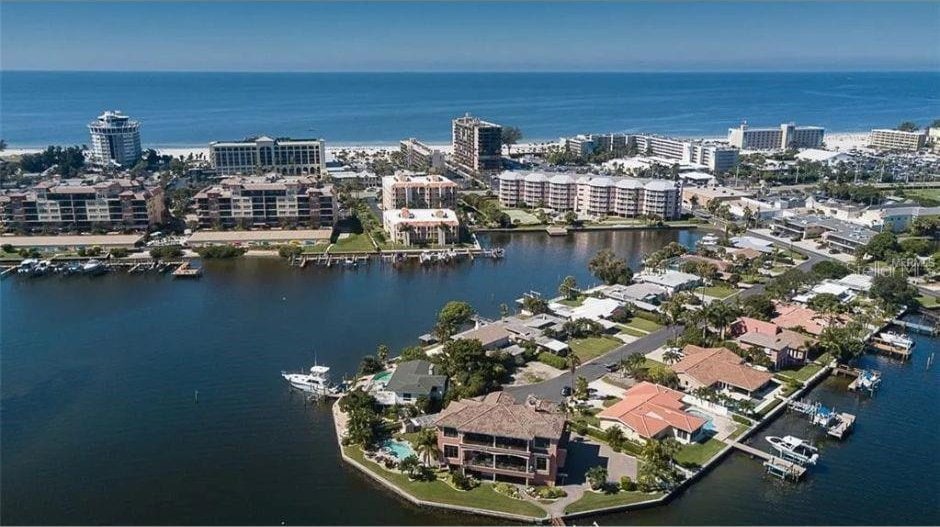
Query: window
x: 450, y: 432
x: 541, y: 464
x: 541, y: 443
x: 450, y: 451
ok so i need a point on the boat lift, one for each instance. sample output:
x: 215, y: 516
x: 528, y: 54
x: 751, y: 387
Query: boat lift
x: 837, y: 424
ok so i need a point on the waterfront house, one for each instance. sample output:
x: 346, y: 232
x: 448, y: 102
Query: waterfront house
x: 671, y: 281
x: 651, y: 411
x: 783, y: 347
x: 495, y: 438
x: 719, y: 369
x: 800, y: 318
x: 842, y: 292
x: 491, y: 336
x: 411, y: 380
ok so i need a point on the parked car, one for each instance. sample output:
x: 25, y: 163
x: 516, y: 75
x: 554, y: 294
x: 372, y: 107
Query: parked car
x: 566, y: 391
x: 612, y: 366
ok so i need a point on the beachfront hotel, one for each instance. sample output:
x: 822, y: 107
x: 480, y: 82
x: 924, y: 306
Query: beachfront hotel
x: 247, y: 202
x: 418, y: 191
x: 421, y: 226
x: 421, y: 157
x: 55, y: 206
x: 591, y: 195
x: 714, y: 156
x: 494, y: 438
x: 884, y: 139
x: 478, y: 146
x: 785, y: 137
x: 115, y: 139
x: 282, y: 155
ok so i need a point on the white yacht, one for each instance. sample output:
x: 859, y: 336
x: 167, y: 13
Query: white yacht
x: 316, y: 381
x: 897, y: 340
x: 794, y: 448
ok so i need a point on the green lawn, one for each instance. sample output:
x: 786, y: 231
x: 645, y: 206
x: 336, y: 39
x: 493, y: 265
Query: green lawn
x: 359, y: 243
x: 802, y: 374
x: 632, y: 332
x: 720, y: 291
x: 929, y: 302
x: 482, y: 497
x: 697, y: 454
x: 592, y: 347
x: 611, y: 401
x: 766, y: 410
x: 643, y: 324
x: 319, y: 248
x: 10, y: 256
x: 927, y: 197
x: 594, y: 500
x: 573, y: 303
x: 738, y: 431
x: 521, y: 217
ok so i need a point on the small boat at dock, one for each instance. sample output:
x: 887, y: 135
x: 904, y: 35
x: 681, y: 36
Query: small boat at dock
x: 795, y: 449
x: 316, y: 381
x: 94, y: 268
x: 897, y: 340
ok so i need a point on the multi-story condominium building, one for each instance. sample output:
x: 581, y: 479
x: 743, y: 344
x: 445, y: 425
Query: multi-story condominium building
x: 592, y: 195
x: 477, y: 146
x: 421, y: 157
x: 421, y: 226
x: 787, y: 136
x: 284, y: 156
x: 418, y: 191
x: 118, y: 204
x: 585, y: 145
x: 494, y: 438
x: 247, y: 202
x: 840, y: 235
x: 717, y: 157
x: 897, y: 140
x: 115, y: 139
x: 580, y: 145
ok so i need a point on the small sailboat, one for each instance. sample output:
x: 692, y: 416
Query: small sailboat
x: 795, y: 449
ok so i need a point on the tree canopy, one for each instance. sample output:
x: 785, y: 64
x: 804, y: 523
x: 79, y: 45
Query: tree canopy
x: 610, y: 269
x: 471, y: 371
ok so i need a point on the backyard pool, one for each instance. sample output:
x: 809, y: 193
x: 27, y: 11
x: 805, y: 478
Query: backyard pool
x: 399, y: 449
x: 382, y: 376
x: 709, y: 425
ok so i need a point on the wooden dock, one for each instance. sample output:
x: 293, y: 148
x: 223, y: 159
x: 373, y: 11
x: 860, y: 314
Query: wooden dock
x: 843, y: 426
x: 926, y: 329
x: 556, y: 231
x: 885, y: 348
x: 774, y: 465
x: 187, y: 271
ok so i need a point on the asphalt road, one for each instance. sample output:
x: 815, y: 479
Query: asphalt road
x: 551, y: 389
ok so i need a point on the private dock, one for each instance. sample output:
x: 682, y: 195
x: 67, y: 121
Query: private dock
x: 878, y: 343
x: 187, y: 271
x: 775, y: 466
x: 837, y: 424
x: 924, y: 329
x: 556, y: 231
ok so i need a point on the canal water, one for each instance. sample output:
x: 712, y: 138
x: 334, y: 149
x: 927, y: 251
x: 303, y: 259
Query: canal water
x: 100, y: 423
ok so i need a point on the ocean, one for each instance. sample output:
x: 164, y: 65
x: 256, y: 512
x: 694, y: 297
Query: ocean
x: 191, y: 109
x: 100, y: 424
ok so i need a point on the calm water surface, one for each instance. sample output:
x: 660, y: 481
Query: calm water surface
x: 185, y: 109
x: 99, y: 423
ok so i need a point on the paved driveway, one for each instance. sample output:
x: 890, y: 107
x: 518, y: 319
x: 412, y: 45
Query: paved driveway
x: 584, y: 453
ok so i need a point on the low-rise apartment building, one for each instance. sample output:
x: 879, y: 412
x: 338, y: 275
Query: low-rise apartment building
x: 785, y: 137
x: 254, y: 202
x: 421, y: 226
x: 885, y: 139
x: 282, y: 155
x: 591, y: 195
x: 51, y: 206
x: 418, y: 191
x: 421, y: 157
x: 840, y: 235
x: 495, y: 438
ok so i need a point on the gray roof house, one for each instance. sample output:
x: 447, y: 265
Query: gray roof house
x: 410, y: 380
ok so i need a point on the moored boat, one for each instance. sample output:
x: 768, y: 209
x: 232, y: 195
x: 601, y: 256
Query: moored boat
x: 315, y: 382
x: 794, y: 448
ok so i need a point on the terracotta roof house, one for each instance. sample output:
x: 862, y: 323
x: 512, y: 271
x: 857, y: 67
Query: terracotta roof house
x: 495, y: 438
x: 652, y: 411
x: 784, y: 347
x: 793, y: 316
x: 492, y: 336
x: 718, y: 368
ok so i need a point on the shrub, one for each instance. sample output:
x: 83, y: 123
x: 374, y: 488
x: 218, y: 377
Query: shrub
x: 463, y: 481
x: 220, y: 251
x: 597, y: 477
x: 119, y: 252
x: 286, y: 251
x: 507, y: 489
x: 550, y: 493
x: 166, y: 252
x: 7, y: 248
x: 627, y: 484
x: 553, y: 360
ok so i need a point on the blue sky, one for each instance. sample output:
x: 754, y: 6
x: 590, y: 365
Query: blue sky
x: 489, y: 36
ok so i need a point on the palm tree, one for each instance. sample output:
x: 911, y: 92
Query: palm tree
x: 426, y: 445
x: 720, y: 316
x: 671, y: 356
x: 573, y: 362
x: 634, y: 363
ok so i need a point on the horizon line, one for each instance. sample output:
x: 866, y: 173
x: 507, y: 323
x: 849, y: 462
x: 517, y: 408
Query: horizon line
x: 510, y: 72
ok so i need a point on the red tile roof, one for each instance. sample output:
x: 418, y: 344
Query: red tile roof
x: 712, y: 365
x: 649, y: 408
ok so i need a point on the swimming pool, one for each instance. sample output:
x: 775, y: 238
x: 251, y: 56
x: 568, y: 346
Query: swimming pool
x: 709, y: 425
x: 400, y: 449
x: 382, y: 376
